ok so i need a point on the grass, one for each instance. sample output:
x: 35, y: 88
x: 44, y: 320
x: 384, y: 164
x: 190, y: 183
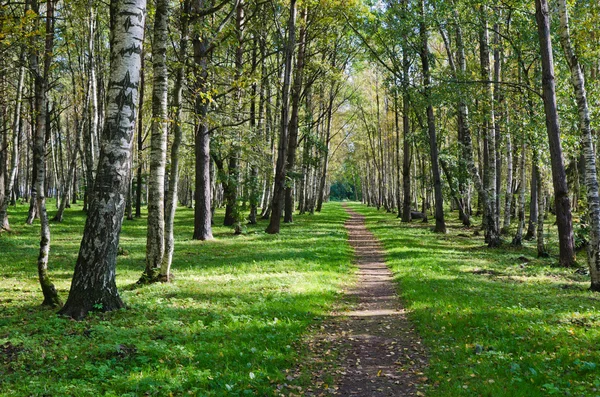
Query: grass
x: 230, y: 324
x: 494, y: 324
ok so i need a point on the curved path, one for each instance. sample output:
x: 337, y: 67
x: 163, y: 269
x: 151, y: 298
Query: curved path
x: 385, y: 356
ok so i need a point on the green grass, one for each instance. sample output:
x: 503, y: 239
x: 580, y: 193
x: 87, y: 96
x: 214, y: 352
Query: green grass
x: 494, y: 326
x: 230, y: 324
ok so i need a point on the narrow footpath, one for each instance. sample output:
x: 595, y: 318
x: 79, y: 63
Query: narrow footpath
x: 384, y: 356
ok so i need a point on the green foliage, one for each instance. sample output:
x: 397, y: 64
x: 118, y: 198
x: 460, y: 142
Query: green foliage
x: 229, y: 324
x: 494, y: 324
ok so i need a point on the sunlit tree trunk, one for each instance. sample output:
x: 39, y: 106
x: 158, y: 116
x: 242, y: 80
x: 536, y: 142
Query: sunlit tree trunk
x: 541, y: 196
x: 509, y: 180
x: 591, y: 177
x: 533, y: 205
x: 518, y: 239
x: 491, y: 212
x: 155, y: 237
x: 93, y: 286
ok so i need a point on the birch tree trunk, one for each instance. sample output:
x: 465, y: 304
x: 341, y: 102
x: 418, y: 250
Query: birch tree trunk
x: 559, y: 177
x: 591, y: 178
x: 541, y: 247
x: 16, y: 132
x: 533, y: 205
x: 491, y: 212
x: 165, y: 268
x: 41, y: 76
x: 71, y: 171
x: 155, y: 237
x: 518, y: 239
x: 509, y: 178
x: 93, y: 286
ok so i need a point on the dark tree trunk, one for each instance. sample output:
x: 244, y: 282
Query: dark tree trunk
x: 293, y: 133
x: 440, y: 224
x: 280, y: 171
x: 202, y: 208
x: 559, y: 177
x: 140, y: 145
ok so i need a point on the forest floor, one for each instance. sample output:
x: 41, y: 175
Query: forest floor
x: 250, y: 314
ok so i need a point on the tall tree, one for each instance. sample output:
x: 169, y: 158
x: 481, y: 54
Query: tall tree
x: 559, y: 177
x: 177, y: 103
x: 294, y: 124
x: 440, y: 224
x: 155, y: 239
x: 589, y: 154
x: 41, y: 76
x: 93, y: 286
x: 280, y: 170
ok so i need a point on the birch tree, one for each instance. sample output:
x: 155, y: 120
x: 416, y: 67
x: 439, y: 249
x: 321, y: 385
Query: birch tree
x: 93, y: 286
x: 587, y: 140
x: 155, y: 237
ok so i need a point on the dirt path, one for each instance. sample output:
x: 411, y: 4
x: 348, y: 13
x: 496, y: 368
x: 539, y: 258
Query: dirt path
x: 383, y: 354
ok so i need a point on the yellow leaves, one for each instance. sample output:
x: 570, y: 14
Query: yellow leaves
x: 30, y: 14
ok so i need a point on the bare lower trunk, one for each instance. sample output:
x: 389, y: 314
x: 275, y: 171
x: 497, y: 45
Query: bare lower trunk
x: 541, y: 247
x: 202, y: 199
x: 294, y: 125
x: 533, y: 205
x: 518, y: 239
x: 509, y: 177
x: 440, y: 224
x: 491, y: 211
x: 39, y: 150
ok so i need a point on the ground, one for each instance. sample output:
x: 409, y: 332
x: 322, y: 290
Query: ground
x: 275, y: 315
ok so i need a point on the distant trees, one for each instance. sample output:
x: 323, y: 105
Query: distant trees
x: 496, y: 114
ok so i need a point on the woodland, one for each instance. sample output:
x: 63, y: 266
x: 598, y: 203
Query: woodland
x: 178, y: 182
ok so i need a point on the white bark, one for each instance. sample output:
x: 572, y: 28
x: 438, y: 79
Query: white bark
x: 591, y: 180
x: 155, y: 243
x: 165, y: 270
x: 509, y: 178
x: 14, y: 163
x: 93, y: 283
